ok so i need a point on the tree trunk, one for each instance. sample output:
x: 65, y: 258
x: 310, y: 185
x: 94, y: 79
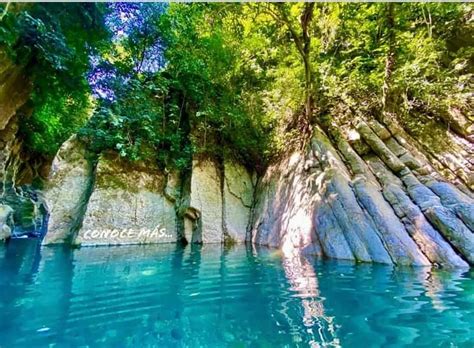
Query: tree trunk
x: 387, y: 98
x: 303, y: 44
x: 306, y: 18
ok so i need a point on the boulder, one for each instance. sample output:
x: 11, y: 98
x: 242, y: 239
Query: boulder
x: 127, y: 206
x: 6, y: 214
x: 67, y: 191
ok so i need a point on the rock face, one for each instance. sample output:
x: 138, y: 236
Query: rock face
x: 6, y: 222
x: 116, y: 202
x: 67, y: 192
x: 221, y: 198
x: 14, y: 93
x: 376, y: 199
x: 206, y: 202
x: 238, y: 193
x: 367, y: 193
x: 127, y: 206
x: 14, y: 89
x: 283, y: 216
x: 29, y: 211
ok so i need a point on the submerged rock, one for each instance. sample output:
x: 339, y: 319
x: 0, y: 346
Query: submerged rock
x: 6, y: 222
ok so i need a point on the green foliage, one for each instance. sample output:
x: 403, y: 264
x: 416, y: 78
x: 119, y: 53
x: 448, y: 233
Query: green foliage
x: 199, y: 103
x: 140, y: 125
x: 233, y: 77
x: 52, y: 42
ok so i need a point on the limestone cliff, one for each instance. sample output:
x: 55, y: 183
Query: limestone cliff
x: 112, y: 201
x: 221, y: 197
x: 127, y: 206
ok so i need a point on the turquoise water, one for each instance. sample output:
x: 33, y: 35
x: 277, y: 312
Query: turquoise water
x: 168, y: 296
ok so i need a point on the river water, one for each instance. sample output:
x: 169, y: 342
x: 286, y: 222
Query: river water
x: 171, y: 296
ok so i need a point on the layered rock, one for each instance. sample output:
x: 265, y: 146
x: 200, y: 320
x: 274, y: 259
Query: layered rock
x: 366, y: 193
x: 67, y: 191
x: 375, y: 199
x: 127, y: 206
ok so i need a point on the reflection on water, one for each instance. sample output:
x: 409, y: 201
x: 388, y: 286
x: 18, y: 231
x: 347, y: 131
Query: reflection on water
x: 304, y: 283
x: 165, y: 295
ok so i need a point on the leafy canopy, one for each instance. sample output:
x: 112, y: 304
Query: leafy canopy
x: 165, y: 82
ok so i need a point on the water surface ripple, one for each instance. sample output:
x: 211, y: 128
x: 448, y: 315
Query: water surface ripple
x: 170, y: 296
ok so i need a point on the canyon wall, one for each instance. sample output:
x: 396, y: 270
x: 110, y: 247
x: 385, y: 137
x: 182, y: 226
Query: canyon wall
x: 365, y: 193
x: 17, y: 167
x: 14, y: 93
x: 366, y: 190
